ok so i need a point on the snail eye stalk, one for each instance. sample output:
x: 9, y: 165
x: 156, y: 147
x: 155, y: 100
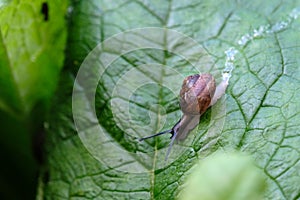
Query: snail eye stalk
x: 157, y: 134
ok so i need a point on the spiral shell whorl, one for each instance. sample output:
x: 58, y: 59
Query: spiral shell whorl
x: 196, y: 93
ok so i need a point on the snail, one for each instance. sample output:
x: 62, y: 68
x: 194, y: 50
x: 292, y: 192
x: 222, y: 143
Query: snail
x: 197, y: 94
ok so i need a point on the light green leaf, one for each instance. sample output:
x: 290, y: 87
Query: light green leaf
x: 224, y: 176
x: 31, y: 53
x: 258, y: 115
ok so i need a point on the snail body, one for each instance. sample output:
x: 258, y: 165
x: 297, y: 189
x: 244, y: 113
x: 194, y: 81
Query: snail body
x: 197, y: 94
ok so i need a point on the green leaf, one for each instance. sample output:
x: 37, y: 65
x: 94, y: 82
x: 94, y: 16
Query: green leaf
x: 259, y: 114
x: 32, y: 42
x: 225, y: 176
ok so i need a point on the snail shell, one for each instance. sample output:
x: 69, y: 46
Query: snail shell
x: 196, y: 93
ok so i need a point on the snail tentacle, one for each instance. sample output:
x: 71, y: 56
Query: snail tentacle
x: 157, y: 134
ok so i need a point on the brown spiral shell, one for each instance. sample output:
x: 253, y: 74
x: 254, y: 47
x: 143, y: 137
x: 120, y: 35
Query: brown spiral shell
x: 196, y: 93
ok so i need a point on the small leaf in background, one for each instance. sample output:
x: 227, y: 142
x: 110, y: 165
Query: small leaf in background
x: 224, y: 176
x: 32, y: 42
